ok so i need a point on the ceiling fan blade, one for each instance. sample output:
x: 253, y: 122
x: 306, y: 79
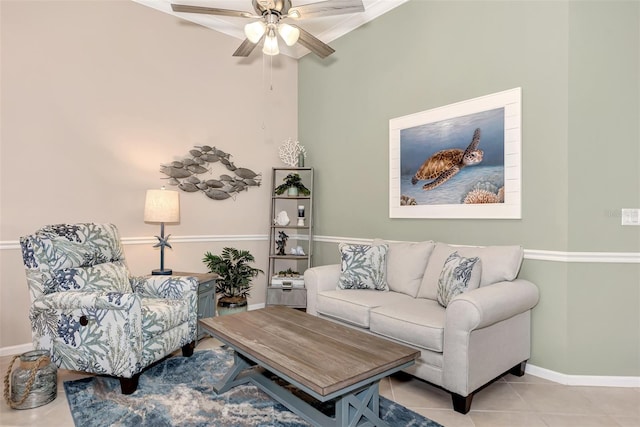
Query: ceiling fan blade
x: 326, y: 8
x: 245, y: 48
x: 314, y: 44
x: 211, y: 11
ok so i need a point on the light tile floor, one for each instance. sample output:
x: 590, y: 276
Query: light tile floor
x: 512, y: 401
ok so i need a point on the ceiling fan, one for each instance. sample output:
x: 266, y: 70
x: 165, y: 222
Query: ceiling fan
x: 270, y: 14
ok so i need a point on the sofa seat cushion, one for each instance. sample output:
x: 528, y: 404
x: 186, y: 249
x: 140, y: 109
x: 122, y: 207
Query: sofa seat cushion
x: 353, y: 305
x: 417, y: 322
x: 160, y: 315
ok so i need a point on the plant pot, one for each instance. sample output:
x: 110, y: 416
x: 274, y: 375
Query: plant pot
x: 292, y: 191
x: 231, y: 305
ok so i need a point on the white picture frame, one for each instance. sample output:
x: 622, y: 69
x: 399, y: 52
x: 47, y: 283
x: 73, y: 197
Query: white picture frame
x: 443, y: 135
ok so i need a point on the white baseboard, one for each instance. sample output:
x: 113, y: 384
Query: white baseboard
x: 582, y: 380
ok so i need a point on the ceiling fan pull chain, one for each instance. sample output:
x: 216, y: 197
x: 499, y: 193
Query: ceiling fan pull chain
x: 271, y: 74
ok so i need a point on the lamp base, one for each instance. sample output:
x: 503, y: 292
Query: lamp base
x: 165, y: 272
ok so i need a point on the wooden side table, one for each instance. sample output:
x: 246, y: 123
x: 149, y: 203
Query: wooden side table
x: 206, y: 297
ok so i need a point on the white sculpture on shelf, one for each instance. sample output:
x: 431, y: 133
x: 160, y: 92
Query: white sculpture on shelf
x: 297, y: 251
x: 292, y: 153
x: 282, y: 219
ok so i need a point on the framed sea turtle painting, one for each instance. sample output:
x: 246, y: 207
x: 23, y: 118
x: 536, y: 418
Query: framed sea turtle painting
x: 458, y: 161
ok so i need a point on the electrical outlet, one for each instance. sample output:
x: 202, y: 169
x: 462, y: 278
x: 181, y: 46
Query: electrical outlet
x: 630, y: 216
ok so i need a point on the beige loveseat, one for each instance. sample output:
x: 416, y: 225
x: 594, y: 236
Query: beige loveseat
x: 480, y: 335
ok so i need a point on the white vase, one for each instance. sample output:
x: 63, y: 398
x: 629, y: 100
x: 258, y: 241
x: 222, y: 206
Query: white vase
x: 292, y: 191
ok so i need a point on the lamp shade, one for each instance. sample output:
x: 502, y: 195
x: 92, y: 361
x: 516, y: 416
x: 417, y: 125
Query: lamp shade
x: 270, y: 45
x: 255, y: 30
x: 162, y: 206
x: 289, y: 34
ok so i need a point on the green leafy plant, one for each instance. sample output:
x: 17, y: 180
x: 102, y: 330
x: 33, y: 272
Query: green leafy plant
x: 292, y: 180
x: 234, y: 271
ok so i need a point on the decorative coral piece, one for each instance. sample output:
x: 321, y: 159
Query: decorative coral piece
x: 290, y: 151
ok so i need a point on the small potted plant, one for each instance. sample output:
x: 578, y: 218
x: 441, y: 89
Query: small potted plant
x: 293, y: 186
x: 234, y: 278
x: 288, y: 273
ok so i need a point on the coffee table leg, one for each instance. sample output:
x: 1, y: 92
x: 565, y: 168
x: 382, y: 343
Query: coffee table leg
x: 234, y: 377
x: 350, y: 409
x: 363, y: 404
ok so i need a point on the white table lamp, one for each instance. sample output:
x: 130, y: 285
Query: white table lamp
x: 162, y: 206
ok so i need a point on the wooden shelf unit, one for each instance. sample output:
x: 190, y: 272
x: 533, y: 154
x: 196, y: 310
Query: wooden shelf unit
x: 302, y: 236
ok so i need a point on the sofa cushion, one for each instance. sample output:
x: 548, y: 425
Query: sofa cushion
x: 353, y: 305
x: 458, y: 275
x: 499, y: 263
x: 363, y: 267
x: 406, y: 263
x: 417, y: 322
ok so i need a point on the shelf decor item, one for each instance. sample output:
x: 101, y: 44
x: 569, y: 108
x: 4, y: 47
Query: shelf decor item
x: 162, y: 206
x: 281, y: 243
x: 292, y: 153
x: 282, y: 219
x: 234, y: 278
x: 300, y: 216
x: 292, y: 182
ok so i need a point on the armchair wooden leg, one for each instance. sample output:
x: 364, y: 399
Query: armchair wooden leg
x: 187, y: 350
x: 461, y: 404
x: 518, y: 370
x: 129, y: 385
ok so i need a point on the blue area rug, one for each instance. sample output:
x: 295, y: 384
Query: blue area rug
x: 179, y: 392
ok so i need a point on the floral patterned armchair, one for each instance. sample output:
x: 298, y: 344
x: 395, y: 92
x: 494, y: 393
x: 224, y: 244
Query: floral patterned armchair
x: 92, y: 315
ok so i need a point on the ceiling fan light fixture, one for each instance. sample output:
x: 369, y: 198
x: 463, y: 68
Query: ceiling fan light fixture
x: 255, y: 30
x: 289, y: 34
x: 270, y: 44
x: 267, y: 28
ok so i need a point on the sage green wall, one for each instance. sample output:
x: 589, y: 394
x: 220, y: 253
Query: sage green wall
x: 578, y: 66
x: 604, y: 124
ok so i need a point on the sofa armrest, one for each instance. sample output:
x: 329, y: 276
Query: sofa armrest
x: 487, y: 332
x: 170, y: 287
x: 319, y: 279
x: 490, y: 304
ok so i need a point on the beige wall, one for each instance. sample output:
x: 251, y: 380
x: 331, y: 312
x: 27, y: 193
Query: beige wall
x: 95, y: 96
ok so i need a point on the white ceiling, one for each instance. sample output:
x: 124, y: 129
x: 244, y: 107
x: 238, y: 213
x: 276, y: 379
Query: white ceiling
x: 326, y: 28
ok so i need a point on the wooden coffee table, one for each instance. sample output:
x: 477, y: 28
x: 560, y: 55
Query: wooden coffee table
x: 325, y: 360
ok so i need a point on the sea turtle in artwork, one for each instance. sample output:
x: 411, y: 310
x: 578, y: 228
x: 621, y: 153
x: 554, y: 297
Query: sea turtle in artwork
x: 443, y: 165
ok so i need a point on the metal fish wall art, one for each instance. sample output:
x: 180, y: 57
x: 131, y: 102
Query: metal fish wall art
x: 183, y: 174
